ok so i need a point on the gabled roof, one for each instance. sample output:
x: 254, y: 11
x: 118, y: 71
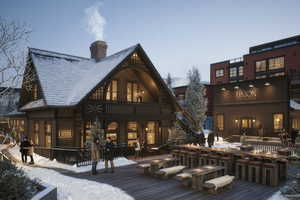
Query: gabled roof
x: 65, y: 80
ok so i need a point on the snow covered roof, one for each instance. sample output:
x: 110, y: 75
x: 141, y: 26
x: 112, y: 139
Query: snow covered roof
x: 14, y: 112
x: 180, y: 82
x: 34, y: 104
x: 65, y: 80
x: 294, y: 104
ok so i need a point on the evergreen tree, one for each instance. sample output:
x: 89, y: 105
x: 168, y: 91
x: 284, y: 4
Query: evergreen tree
x: 194, y: 99
x: 177, y: 135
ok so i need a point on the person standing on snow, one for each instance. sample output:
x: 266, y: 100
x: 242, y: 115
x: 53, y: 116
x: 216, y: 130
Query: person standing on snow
x: 211, y: 138
x: 109, y: 155
x: 95, y: 154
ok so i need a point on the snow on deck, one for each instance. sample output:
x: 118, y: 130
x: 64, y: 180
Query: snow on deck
x: 277, y: 196
x: 69, y: 188
x: 45, y: 162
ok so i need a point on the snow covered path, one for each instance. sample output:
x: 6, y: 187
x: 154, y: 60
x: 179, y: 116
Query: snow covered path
x: 69, y: 188
x: 45, y: 162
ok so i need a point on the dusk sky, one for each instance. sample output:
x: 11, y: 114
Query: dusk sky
x: 175, y: 34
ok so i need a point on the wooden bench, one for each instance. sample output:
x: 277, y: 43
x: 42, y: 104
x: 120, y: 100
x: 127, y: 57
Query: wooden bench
x: 215, y: 184
x: 145, y: 167
x: 170, y: 171
x: 185, y: 178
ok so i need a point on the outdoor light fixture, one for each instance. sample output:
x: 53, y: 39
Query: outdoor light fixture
x: 251, y: 86
x: 223, y: 89
x: 236, y: 87
x: 267, y: 84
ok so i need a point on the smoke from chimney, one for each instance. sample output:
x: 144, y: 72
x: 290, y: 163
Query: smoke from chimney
x: 98, y: 50
x: 95, y: 21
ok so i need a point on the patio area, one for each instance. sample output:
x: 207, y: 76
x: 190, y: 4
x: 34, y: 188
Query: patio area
x: 142, y: 187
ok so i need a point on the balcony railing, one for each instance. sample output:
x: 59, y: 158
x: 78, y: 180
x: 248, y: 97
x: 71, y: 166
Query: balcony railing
x: 235, y: 60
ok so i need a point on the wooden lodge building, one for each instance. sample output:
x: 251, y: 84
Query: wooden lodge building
x: 259, y: 93
x: 62, y: 95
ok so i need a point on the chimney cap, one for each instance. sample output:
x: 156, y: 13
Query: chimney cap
x: 98, y: 50
x: 99, y: 42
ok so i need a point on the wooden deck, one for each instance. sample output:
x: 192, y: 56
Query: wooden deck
x: 141, y: 187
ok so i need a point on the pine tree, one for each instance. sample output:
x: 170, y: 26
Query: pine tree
x: 177, y: 135
x: 194, y: 99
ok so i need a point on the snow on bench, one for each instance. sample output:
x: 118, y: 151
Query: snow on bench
x: 146, y: 168
x: 185, y: 178
x: 166, y: 172
x: 214, y: 184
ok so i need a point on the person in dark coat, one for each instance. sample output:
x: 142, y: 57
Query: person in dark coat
x: 24, y: 148
x: 201, y: 139
x: 294, y: 135
x: 211, y: 139
x: 109, y: 154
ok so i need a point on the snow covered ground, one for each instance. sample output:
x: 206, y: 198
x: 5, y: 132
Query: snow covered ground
x: 277, y: 196
x: 69, y: 188
x: 45, y: 162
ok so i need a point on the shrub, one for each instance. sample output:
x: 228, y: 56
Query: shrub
x: 14, y: 183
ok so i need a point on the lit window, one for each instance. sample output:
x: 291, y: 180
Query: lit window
x: 36, y: 132
x: 135, y: 59
x: 278, y: 122
x: 219, y: 72
x: 97, y: 94
x: 88, y: 131
x: 220, y: 122
x: 65, y: 134
x: 132, y: 133
x: 261, y: 66
x: 276, y: 63
x: 133, y: 92
x: 112, y: 131
x: 233, y: 72
x: 112, y: 91
x: 48, y: 133
x: 150, y: 131
x: 296, y: 123
x: 241, y: 70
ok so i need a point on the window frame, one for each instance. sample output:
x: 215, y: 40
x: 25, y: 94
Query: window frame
x: 109, y: 94
x: 241, y: 72
x: 219, y: 73
x: 217, y: 122
x: 36, y: 131
x: 130, y: 140
x: 134, y: 95
x: 233, y: 72
x: 276, y: 67
x: 261, y: 70
x: 282, y: 122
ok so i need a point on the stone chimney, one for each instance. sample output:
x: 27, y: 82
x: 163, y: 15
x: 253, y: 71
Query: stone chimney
x: 98, y: 50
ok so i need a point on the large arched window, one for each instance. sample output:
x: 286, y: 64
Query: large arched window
x: 112, y: 131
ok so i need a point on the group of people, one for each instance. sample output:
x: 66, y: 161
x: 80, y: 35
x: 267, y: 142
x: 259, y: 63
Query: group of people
x: 200, y: 138
x: 107, y: 153
x: 27, y: 149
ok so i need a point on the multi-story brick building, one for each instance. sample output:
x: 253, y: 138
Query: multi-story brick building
x: 258, y: 91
